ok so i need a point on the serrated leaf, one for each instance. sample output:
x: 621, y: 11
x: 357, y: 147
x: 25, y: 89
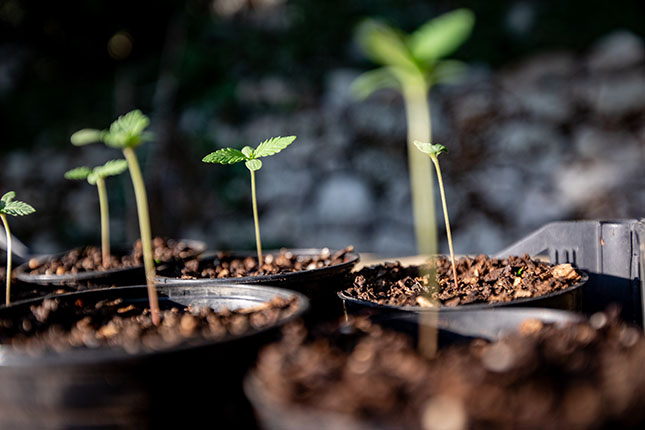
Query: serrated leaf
x: 17, y: 208
x: 78, y: 173
x: 273, y: 145
x: 111, y: 168
x: 248, y: 152
x: 7, y: 197
x: 441, y: 36
x: 225, y: 156
x: 127, y: 131
x: 85, y: 136
x: 254, y: 164
x: 429, y: 148
x: 374, y: 80
x: 383, y: 44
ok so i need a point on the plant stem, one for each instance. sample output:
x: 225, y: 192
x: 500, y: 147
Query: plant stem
x: 258, y: 242
x: 144, y: 230
x: 105, y: 221
x: 9, y: 253
x: 435, y: 161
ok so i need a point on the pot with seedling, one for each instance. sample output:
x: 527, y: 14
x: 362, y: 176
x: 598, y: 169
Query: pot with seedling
x: 90, y: 266
x: 139, y: 356
x: 318, y: 273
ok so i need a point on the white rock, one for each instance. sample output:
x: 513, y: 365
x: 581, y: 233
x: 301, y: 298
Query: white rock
x: 616, y: 51
x: 344, y: 199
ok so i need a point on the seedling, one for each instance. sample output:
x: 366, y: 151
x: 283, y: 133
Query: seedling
x: 433, y: 152
x: 412, y: 64
x: 251, y: 160
x: 96, y: 176
x: 9, y: 206
x: 126, y: 133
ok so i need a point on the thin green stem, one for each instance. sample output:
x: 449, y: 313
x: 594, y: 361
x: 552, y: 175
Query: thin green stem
x: 105, y: 221
x: 258, y: 242
x: 435, y: 160
x: 9, y: 253
x: 144, y: 230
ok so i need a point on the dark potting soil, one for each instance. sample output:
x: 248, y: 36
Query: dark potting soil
x: 225, y: 265
x: 586, y: 375
x: 59, y: 325
x: 481, y: 280
x: 89, y: 258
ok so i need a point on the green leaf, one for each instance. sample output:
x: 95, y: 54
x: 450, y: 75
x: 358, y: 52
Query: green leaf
x: 78, y: 173
x: 441, y: 36
x: 7, y: 198
x: 430, y: 149
x: 248, y: 152
x: 86, y: 136
x: 273, y: 146
x: 448, y: 71
x: 111, y: 168
x: 127, y: 131
x: 13, y: 207
x: 225, y: 156
x: 383, y: 44
x: 254, y: 164
x: 369, y: 82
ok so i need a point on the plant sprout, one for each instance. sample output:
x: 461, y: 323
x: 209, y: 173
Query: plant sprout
x: 9, y: 206
x: 413, y: 63
x: 251, y: 160
x: 433, y: 152
x: 126, y: 133
x: 96, y: 176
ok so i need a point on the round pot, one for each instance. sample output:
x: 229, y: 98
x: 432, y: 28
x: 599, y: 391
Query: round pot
x: 126, y: 276
x: 274, y: 414
x: 319, y: 285
x: 107, y: 387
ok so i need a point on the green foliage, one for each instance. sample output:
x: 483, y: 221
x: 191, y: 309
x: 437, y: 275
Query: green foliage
x: 110, y: 168
x: 412, y: 58
x: 430, y: 149
x: 127, y: 131
x: 9, y: 206
x: 248, y: 154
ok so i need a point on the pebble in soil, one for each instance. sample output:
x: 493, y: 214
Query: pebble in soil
x: 61, y: 324
x: 225, y: 265
x: 585, y: 375
x: 481, y: 280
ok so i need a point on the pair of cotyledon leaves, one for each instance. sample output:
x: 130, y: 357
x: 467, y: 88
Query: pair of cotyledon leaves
x: 433, y: 150
x: 111, y: 168
x: 250, y: 155
x: 9, y: 206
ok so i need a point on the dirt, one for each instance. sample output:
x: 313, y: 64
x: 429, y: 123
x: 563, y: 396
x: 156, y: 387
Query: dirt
x: 58, y: 324
x: 225, y: 265
x: 586, y: 375
x: 481, y: 280
x: 88, y: 259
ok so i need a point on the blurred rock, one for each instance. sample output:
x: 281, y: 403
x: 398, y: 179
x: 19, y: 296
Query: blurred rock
x: 616, y: 51
x: 344, y: 199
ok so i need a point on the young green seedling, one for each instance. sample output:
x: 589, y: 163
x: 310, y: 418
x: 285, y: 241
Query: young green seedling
x: 96, y: 176
x: 433, y: 152
x: 9, y: 206
x: 250, y: 157
x: 126, y: 133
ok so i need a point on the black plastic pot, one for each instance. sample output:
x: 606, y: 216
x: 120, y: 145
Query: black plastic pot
x: 197, y: 382
x: 274, y: 414
x: 569, y: 299
x: 120, y: 277
x: 319, y: 285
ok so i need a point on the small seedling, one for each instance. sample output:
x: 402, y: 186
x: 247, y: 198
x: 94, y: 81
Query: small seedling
x: 96, y: 176
x: 251, y: 157
x: 433, y: 152
x: 126, y: 133
x: 9, y: 206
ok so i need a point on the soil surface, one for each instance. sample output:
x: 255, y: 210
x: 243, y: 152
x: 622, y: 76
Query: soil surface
x: 90, y: 259
x: 587, y: 375
x: 225, y: 265
x: 58, y: 324
x: 481, y: 280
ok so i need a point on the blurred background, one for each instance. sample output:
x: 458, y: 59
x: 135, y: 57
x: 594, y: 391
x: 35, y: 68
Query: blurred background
x: 548, y: 123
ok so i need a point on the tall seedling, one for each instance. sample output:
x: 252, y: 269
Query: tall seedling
x: 251, y: 160
x: 126, y: 133
x: 9, y: 206
x: 413, y: 64
x: 96, y: 176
